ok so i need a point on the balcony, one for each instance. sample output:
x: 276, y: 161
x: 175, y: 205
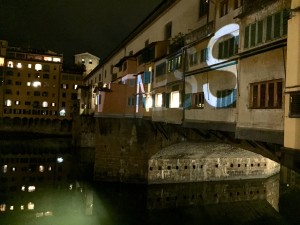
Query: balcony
x: 200, y: 33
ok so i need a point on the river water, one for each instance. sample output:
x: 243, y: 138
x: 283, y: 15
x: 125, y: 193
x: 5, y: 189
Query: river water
x: 39, y: 185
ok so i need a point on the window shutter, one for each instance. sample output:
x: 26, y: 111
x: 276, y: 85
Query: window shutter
x: 147, y: 77
x: 167, y: 95
x: 187, y: 104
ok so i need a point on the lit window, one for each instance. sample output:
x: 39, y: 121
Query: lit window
x: 90, y: 61
x: 149, y: 101
x: 48, y: 213
x: 49, y: 168
x: 36, y: 84
x: 41, y: 168
x: 56, y: 59
x: 28, y: 84
x: 29, y: 66
x: 53, y: 104
x: 75, y: 86
x: 8, y: 102
x: 22, y: 207
x: 2, y: 207
x: 17, y: 102
x: 23, y: 188
x: 45, y: 104
x: 175, y: 96
x: 38, y: 67
x: 47, y: 58
x: 30, y: 206
x: 62, y: 112
x: 1, y: 61
x: 19, y: 65
x: 60, y: 159
x: 31, y: 188
x: 82, y: 61
x: 4, y: 169
x: 11, y: 207
x: 13, y: 169
x: 159, y: 100
x: 10, y: 64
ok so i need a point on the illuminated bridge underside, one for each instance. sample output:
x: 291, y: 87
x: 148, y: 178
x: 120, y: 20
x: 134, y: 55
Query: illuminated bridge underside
x: 190, y: 162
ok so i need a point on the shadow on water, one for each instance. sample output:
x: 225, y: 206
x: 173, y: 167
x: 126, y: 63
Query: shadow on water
x: 39, y: 185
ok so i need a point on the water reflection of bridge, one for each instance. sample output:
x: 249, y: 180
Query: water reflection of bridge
x: 217, y: 192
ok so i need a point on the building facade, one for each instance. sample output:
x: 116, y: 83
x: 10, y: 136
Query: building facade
x: 35, y: 85
x: 213, y: 65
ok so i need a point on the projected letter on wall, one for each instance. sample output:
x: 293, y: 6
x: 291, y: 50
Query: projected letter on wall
x: 230, y: 29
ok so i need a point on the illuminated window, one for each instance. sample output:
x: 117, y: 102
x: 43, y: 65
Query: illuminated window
x: 149, y: 101
x: 56, y: 59
x: 38, y: 67
x: 19, y: 65
x: 158, y: 100
x: 41, y: 168
x: 23, y: 188
x: 175, y: 99
x: 62, y: 112
x: 64, y: 86
x: 8, y: 102
x: 22, y: 207
x: 11, y: 207
x: 1, y: 61
x: 17, y: 102
x: 28, y: 84
x: 47, y: 58
x: 29, y: 66
x: 2, y: 207
x: 49, y: 168
x: 75, y: 86
x: 13, y: 169
x: 53, y: 104
x: 44, y: 104
x: 31, y: 188
x: 10, y: 64
x: 60, y: 159
x: 4, y: 169
x: 36, y: 84
x: 30, y: 206
x: 90, y: 61
x: 82, y: 61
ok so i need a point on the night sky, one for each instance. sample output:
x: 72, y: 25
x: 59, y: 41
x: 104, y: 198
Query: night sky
x: 71, y: 26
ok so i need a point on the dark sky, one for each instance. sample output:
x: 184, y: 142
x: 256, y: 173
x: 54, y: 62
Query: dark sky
x: 71, y: 26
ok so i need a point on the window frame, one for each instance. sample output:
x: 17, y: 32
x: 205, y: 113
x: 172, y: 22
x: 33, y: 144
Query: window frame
x: 260, y: 95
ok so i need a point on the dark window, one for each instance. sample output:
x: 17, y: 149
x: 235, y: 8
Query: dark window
x: 203, y: 7
x: 161, y: 69
x: 37, y: 93
x: 168, y: 30
x: 294, y: 104
x: 267, y: 94
x: 46, y: 76
x: 198, y: 100
x: 223, y: 8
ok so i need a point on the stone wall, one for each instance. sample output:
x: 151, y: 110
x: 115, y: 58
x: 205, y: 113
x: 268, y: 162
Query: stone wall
x: 123, y: 146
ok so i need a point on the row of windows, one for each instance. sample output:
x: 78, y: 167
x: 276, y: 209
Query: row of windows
x: 31, y: 112
x: 238, y: 165
x: 27, y: 160
x: 19, y: 55
x: 204, y: 6
x: 266, y: 94
x: 43, y: 104
x: 37, y: 67
x: 36, y: 75
x: 262, y: 31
